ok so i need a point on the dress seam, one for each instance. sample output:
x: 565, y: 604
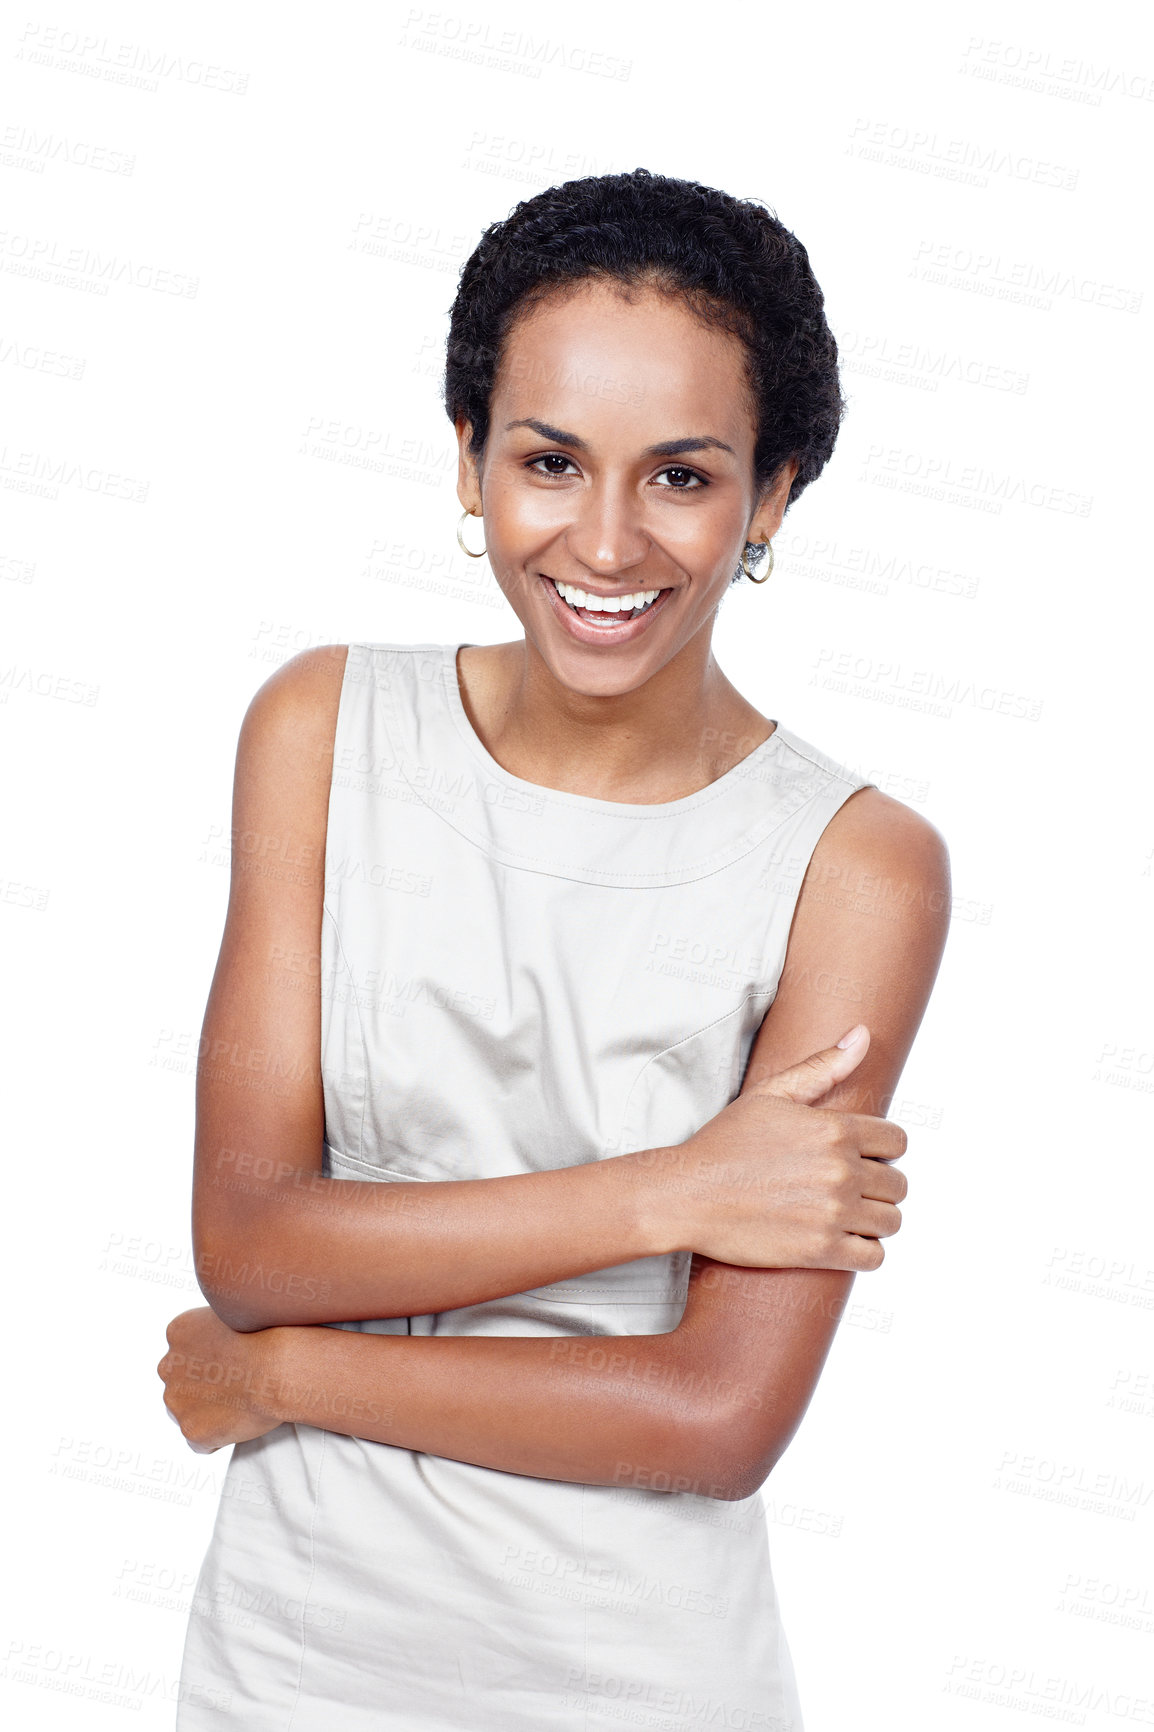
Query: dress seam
x: 342, y: 711
x: 619, y: 880
x: 360, y: 1026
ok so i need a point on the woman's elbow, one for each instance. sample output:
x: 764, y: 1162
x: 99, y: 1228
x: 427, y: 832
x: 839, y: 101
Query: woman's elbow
x: 234, y: 1282
x: 726, y: 1459
x: 233, y: 1305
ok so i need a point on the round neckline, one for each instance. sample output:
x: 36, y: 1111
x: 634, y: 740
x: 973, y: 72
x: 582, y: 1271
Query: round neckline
x: 736, y: 773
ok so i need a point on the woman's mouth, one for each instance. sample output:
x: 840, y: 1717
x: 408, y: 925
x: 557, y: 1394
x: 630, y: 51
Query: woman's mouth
x: 603, y: 615
x: 596, y: 607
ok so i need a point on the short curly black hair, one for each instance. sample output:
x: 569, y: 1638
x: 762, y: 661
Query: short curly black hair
x: 730, y: 260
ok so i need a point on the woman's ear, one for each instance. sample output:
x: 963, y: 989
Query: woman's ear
x: 468, y: 480
x: 767, y: 518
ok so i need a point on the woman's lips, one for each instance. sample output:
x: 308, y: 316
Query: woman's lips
x: 585, y: 631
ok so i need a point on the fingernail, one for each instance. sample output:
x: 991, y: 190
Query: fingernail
x: 854, y: 1034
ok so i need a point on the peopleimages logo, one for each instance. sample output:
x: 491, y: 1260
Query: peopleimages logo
x: 1063, y: 75
x: 960, y: 159
x: 927, y: 689
x: 475, y: 39
x: 968, y: 483
x: 1021, y: 281
x: 130, y: 63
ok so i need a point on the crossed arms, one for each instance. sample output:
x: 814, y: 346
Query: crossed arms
x: 709, y: 1406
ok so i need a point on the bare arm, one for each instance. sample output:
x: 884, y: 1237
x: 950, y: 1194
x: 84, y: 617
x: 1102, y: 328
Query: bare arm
x: 712, y: 1405
x: 868, y: 935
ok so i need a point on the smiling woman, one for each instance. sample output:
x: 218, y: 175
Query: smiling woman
x: 521, y: 1277
x: 572, y: 530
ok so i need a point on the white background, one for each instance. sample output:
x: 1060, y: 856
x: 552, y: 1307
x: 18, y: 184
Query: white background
x: 217, y: 281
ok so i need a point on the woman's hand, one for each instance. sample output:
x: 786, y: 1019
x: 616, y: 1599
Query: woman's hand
x: 773, y: 1182
x: 219, y: 1386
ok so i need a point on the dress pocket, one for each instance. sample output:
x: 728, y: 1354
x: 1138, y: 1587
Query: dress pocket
x: 688, y: 1083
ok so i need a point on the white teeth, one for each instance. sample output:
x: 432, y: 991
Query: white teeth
x: 606, y: 603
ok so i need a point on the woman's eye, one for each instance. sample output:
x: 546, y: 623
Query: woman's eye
x: 551, y: 457
x: 683, y: 476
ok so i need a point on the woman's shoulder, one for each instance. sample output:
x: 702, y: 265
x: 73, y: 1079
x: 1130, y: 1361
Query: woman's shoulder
x: 290, y: 724
x: 871, y: 822
x: 303, y: 691
x: 880, y: 858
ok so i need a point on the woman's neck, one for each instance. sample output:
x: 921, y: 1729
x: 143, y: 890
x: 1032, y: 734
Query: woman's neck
x: 672, y: 737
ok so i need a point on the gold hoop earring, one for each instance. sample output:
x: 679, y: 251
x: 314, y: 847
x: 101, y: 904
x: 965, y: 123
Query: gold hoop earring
x: 461, y: 539
x: 764, y: 552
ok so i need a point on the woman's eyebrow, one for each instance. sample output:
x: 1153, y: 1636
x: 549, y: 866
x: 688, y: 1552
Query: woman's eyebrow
x: 667, y: 448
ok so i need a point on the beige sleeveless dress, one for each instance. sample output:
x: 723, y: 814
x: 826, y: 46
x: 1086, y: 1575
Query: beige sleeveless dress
x: 514, y: 979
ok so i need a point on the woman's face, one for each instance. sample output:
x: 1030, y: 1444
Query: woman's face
x: 619, y: 463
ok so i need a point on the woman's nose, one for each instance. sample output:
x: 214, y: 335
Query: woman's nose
x: 606, y: 535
